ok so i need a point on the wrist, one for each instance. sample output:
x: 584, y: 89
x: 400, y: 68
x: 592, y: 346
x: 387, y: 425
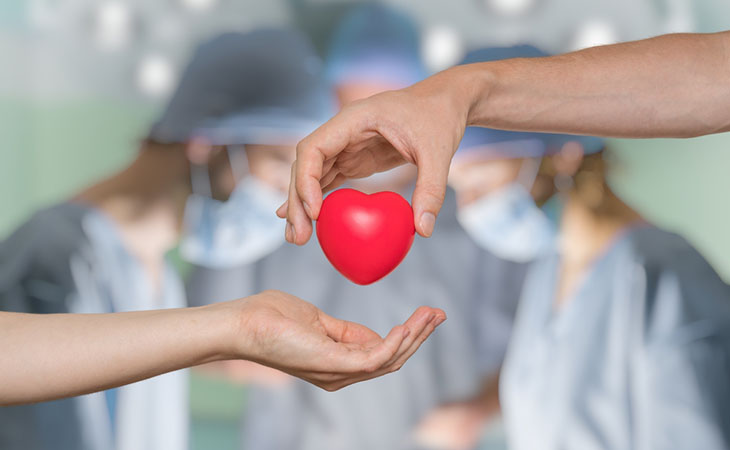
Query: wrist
x: 221, y: 323
x: 477, y: 81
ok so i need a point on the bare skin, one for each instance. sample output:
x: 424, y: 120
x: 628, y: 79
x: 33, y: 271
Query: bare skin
x: 98, y: 351
x: 50, y: 356
x: 668, y: 86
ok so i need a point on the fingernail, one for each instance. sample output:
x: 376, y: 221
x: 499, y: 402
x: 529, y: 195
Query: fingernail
x: 430, y: 319
x: 428, y: 220
x: 308, y: 210
x: 439, y: 321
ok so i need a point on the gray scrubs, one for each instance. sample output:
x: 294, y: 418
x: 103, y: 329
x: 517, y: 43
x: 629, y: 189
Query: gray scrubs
x: 638, y: 358
x: 70, y: 258
x: 444, y: 271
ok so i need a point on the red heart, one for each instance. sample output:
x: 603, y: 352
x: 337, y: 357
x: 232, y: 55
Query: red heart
x: 365, y: 236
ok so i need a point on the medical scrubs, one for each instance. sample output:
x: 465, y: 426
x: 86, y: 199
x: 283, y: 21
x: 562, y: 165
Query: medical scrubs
x: 70, y: 258
x: 638, y: 357
x: 444, y: 271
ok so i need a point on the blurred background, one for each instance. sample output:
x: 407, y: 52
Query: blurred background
x: 82, y: 80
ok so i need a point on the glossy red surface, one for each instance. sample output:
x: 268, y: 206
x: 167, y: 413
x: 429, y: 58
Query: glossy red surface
x: 365, y: 236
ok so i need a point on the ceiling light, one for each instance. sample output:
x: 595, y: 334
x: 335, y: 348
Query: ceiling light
x: 442, y: 48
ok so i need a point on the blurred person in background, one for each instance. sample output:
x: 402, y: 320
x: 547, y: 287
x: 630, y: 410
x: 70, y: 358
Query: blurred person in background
x: 373, y: 49
x: 622, y: 337
x: 104, y: 250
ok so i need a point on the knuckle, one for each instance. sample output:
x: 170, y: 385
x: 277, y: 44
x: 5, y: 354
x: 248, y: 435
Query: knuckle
x: 302, y: 146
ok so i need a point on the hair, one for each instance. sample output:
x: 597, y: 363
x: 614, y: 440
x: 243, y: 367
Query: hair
x: 588, y: 184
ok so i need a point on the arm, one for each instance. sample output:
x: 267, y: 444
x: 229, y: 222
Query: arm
x: 669, y: 86
x: 51, y: 356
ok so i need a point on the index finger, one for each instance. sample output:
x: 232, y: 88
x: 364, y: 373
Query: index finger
x: 324, y: 143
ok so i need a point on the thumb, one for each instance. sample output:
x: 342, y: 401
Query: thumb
x: 429, y: 194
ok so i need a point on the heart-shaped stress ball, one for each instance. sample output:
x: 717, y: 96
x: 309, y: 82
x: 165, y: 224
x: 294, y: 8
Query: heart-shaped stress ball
x: 365, y: 236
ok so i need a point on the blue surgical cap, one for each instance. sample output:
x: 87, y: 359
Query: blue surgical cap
x: 263, y: 87
x: 375, y: 44
x: 487, y: 142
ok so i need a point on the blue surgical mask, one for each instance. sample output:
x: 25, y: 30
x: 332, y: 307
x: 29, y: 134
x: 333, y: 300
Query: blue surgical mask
x: 507, y: 222
x: 238, y: 231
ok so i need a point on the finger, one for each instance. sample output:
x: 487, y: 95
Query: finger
x: 429, y: 194
x: 420, y: 339
x: 356, y: 365
x: 323, y: 144
x: 379, y: 355
x: 281, y: 211
x: 299, y: 226
x: 328, y: 164
x: 347, y: 332
x: 328, y: 177
x: 309, y: 173
x: 337, y: 182
x: 384, y: 360
x: 415, y: 324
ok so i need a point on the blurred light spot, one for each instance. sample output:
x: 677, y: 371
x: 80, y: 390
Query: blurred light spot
x: 113, y: 25
x: 593, y: 33
x: 442, y: 48
x: 511, y: 7
x: 199, y: 5
x: 156, y: 76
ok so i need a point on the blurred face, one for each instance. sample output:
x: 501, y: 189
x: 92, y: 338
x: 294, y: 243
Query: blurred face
x: 473, y: 179
x: 271, y: 164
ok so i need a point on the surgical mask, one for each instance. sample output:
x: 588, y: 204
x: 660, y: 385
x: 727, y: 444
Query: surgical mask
x: 508, y: 223
x: 238, y: 231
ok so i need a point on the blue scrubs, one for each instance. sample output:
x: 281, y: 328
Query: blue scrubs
x: 447, y: 271
x: 71, y: 258
x: 638, y: 358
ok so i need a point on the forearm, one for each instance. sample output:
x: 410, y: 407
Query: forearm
x: 44, y: 357
x: 669, y: 86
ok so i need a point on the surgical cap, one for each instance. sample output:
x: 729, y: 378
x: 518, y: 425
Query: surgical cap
x: 491, y: 143
x: 375, y: 44
x: 262, y: 87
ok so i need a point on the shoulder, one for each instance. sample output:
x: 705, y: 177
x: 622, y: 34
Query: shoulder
x: 43, y: 246
x: 681, y: 298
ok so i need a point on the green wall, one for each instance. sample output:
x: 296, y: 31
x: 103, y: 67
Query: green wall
x: 682, y: 185
x: 51, y: 150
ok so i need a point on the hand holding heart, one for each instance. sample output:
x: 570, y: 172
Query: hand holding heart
x: 422, y: 125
